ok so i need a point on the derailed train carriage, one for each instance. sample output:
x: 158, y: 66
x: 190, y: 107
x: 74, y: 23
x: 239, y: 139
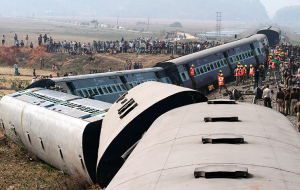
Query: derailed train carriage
x: 110, y: 86
x: 273, y: 34
x: 220, y: 144
x: 65, y: 130
x: 61, y: 129
x: 107, y: 87
x: 248, y: 51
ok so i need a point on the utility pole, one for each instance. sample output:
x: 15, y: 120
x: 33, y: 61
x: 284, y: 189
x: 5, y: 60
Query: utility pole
x: 118, y: 21
x: 218, y: 27
x: 148, y: 25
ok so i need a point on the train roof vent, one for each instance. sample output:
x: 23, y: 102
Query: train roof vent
x: 220, y: 119
x: 223, y: 138
x: 121, y: 97
x: 126, y: 108
x: 221, y: 171
x: 221, y: 101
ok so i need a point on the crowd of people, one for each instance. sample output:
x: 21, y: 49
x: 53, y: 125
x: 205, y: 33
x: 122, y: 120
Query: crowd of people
x: 283, y: 66
x: 140, y: 45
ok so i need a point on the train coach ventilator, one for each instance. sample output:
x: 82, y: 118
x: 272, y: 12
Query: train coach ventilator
x: 130, y: 117
x: 221, y: 171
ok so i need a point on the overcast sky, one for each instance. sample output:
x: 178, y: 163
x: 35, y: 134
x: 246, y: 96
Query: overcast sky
x: 273, y: 5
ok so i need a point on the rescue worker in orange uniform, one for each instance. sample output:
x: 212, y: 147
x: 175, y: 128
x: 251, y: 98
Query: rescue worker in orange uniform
x: 272, y: 73
x: 192, y: 76
x: 242, y: 74
x: 221, y: 83
x: 245, y: 74
x: 237, y: 76
x: 251, y: 73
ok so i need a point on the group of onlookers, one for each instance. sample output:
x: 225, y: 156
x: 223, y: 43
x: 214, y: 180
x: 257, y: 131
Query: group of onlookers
x: 140, y: 45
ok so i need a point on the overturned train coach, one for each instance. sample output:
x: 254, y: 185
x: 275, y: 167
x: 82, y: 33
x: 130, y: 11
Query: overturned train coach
x: 61, y: 129
x: 273, y: 34
x: 65, y: 130
x: 108, y: 87
x: 220, y: 144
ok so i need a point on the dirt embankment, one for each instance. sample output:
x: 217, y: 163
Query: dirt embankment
x: 78, y: 64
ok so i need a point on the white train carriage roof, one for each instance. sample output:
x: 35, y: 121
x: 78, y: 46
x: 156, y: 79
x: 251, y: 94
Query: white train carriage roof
x: 222, y: 48
x: 107, y: 74
x: 63, y: 103
x: 199, y: 146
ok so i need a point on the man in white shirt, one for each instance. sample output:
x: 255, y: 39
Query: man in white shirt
x: 33, y: 80
x: 267, y: 95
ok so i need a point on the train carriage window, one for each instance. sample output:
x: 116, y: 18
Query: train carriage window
x: 259, y: 52
x: 138, y: 83
x: 114, y: 88
x: 231, y: 60
x: 123, y: 87
x: 237, y: 58
x: 104, y: 89
x: 183, y: 76
x: 80, y: 93
x: 243, y: 55
x: 118, y: 87
x: 86, y: 94
x: 95, y: 91
x: 246, y: 54
x: 225, y: 62
x: 168, y: 81
x: 218, y: 63
x: 90, y: 91
x: 201, y: 70
x: 240, y: 57
x: 204, y: 68
x: 251, y: 53
x: 215, y: 65
x: 207, y: 67
x: 109, y: 89
x: 100, y: 90
x: 131, y: 86
x: 197, y: 71
x: 211, y: 66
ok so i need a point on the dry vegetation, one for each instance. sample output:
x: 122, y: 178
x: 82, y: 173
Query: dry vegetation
x: 20, y: 169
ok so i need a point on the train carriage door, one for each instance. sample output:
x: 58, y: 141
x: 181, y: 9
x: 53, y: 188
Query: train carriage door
x: 158, y: 76
x: 71, y: 87
x: 186, y: 66
x: 124, y: 81
x: 225, y: 54
x: 254, y: 53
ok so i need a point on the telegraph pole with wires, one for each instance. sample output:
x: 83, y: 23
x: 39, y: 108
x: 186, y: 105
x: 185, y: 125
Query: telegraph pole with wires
x: 218, y: 27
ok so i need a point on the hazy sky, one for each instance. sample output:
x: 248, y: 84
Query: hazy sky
x: 273, y: 5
